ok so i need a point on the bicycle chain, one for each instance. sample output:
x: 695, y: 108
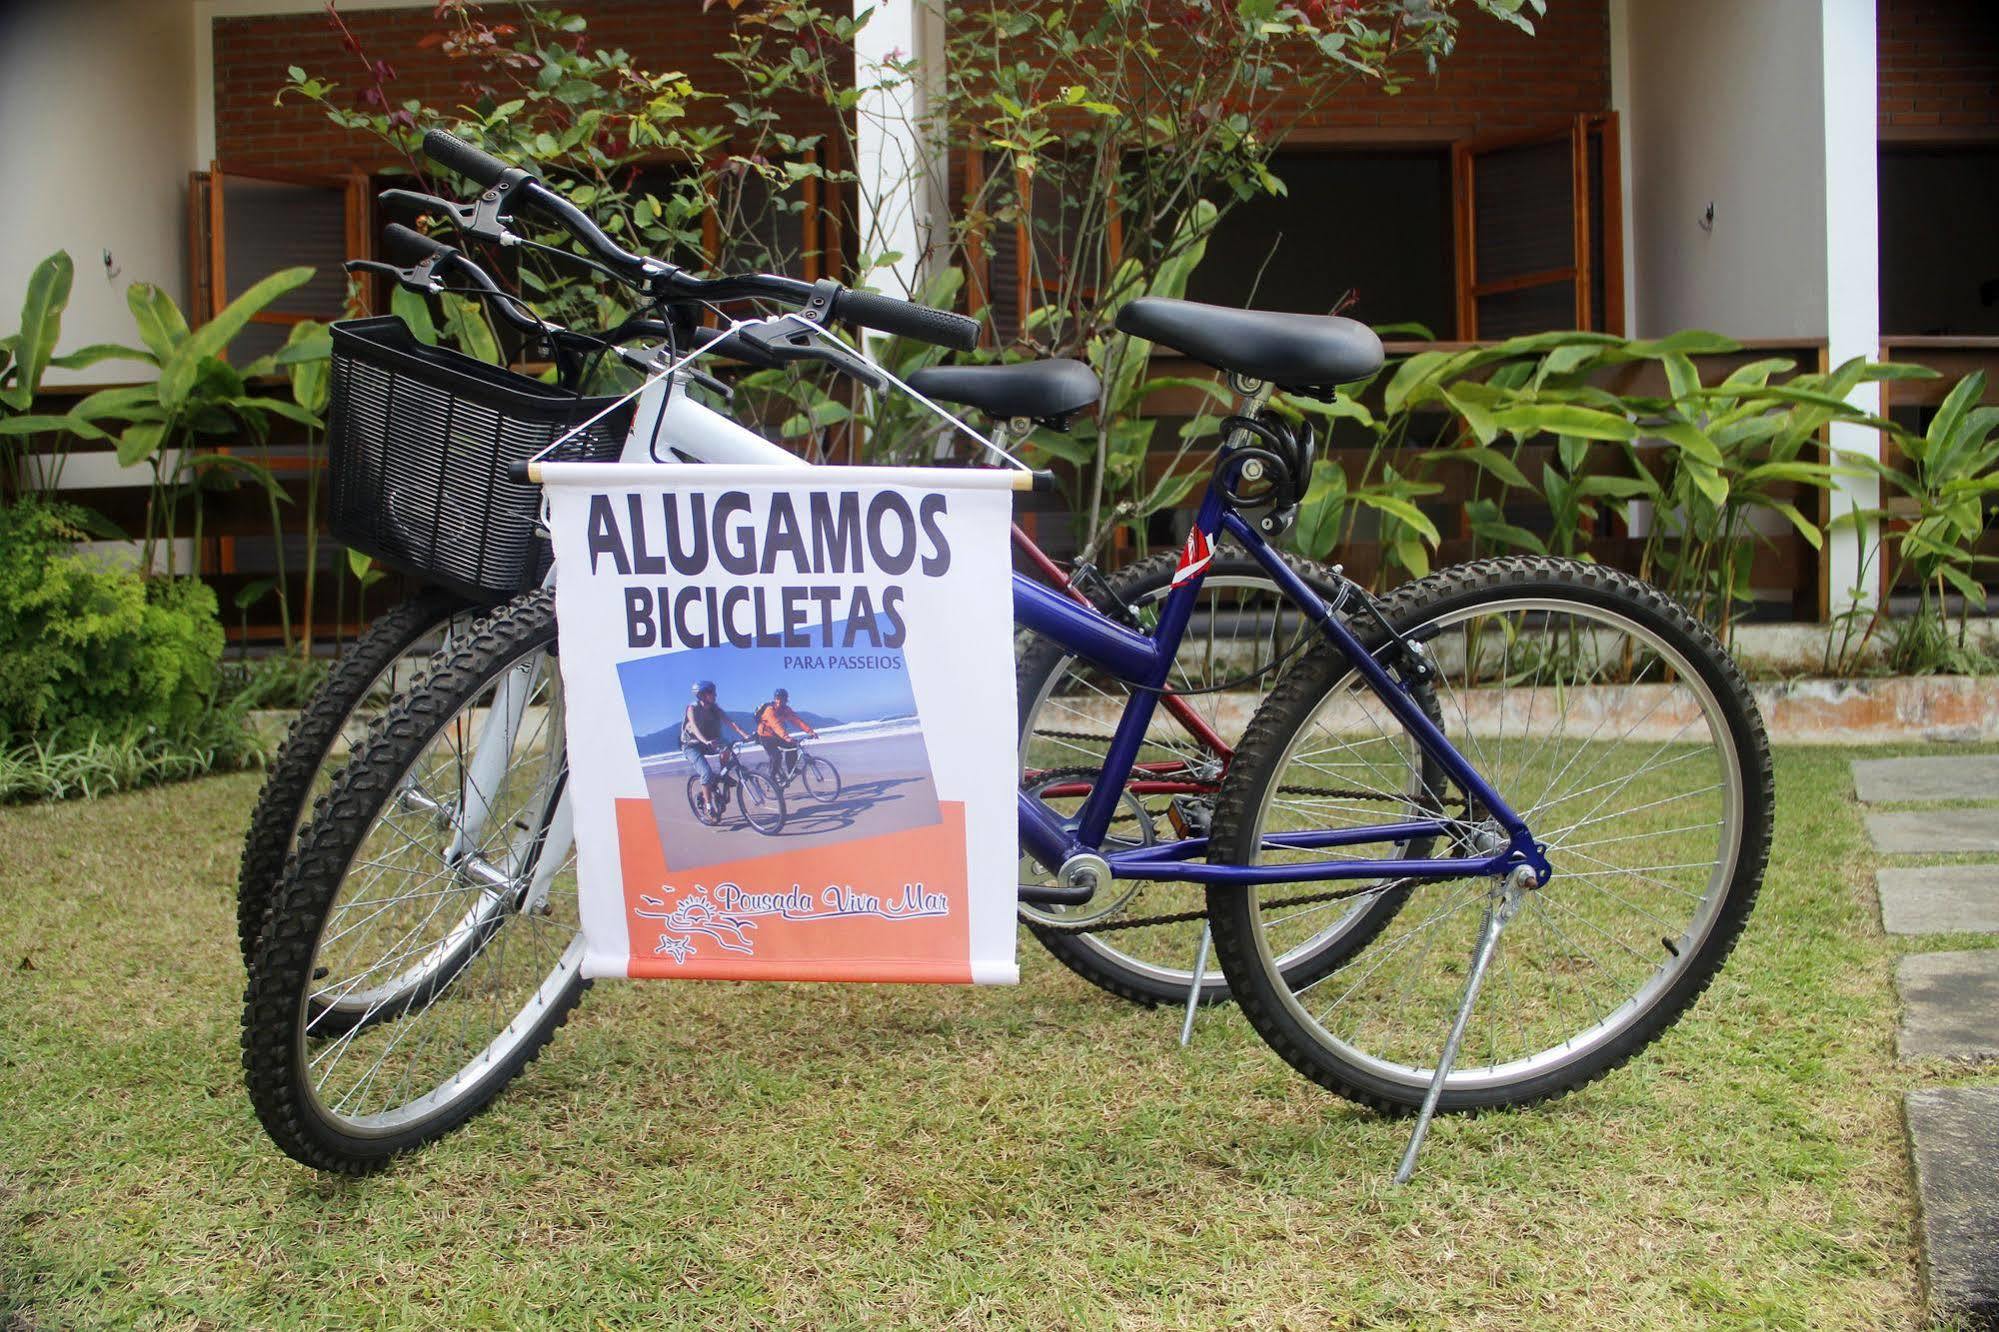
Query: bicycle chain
x: 1181, y: 917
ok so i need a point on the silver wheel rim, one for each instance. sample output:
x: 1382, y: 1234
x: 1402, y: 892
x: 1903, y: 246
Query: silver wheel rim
x: 1458, y: 900
x: 464, y: 995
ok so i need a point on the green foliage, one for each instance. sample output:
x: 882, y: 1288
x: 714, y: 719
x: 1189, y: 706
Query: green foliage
x: 282, y: 682
x: 34, y: 343
x: 590, y: 121
x: 1930, y: 528
x: 1115, y: 447
x: 1704, y: 459
x: 1101, y: 126
x: 91, y: 648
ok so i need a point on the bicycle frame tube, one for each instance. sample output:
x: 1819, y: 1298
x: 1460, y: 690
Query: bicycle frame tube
x: 1181, y: 710
x: 668, y: 425
x: 1146, y: 661
x: 1143, y: 660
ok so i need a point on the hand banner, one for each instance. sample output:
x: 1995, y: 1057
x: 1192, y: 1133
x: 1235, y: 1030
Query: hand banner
x: 789, y: 703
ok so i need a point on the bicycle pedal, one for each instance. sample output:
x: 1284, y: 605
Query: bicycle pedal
x: 1191, y: 816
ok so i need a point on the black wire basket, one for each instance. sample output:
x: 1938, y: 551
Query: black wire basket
x: 419, y: 439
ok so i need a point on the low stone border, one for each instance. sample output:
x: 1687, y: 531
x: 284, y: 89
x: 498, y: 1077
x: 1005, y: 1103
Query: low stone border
x: 1856, y: 712
x: 1797, y: 712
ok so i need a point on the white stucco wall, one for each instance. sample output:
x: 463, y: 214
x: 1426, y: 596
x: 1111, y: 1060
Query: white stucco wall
x: 1725, y: 103
x: 1852, y: 156
x: 97, y: 135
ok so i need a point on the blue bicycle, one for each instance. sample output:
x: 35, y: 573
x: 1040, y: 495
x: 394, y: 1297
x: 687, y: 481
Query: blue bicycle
x: 1484, y: 840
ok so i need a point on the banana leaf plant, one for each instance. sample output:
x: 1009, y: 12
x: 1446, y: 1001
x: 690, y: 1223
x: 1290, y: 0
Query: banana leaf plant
x: 1705, y: 461
x: 1931, y: 525
x: 29, y: 352
x: 197, y: 400
x: 195, y: 397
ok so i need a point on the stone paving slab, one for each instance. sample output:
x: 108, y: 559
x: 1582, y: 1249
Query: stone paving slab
x: 1964, y: 777
x: 1939, y: 899
x: 1925, y: 831
x: 1955, y: 1135
x: 1950, y: 1005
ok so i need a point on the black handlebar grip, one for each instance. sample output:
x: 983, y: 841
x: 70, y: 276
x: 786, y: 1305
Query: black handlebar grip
x: 452, y: 152
x: 408, y: 247
x: 886, y: 314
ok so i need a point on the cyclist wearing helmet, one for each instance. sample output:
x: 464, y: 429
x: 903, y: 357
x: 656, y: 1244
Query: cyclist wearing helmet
x: 701, y: 736
x: 773, y: 722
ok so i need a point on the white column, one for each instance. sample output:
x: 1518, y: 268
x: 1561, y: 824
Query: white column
x: 1621, y: 102
x: 1853, y: 267
x: 899, y: 159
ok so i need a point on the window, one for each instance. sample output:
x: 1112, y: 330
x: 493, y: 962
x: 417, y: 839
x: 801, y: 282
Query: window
x: 245, y: 227
x: 1939, y: 268
x: 1539, y: 231
x: 1376, y: 224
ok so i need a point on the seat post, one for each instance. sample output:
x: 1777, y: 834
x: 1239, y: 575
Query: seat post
x: 1251, y: 395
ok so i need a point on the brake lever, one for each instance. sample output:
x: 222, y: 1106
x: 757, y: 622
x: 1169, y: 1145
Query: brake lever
x: 709, y: 382
x: 416, y: 278
x: 790, y: 338
x: 479, y: 219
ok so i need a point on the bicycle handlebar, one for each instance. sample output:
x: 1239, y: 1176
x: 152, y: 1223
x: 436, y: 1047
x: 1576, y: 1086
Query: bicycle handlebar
x: 884, y: 314
x: 454, y: 154
x: 411, y: 248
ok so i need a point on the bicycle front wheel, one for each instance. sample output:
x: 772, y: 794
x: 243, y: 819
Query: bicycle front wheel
x: 762, y: 801
x: 1623, y: 734
x: 822, y: 779
x: 376, y: 667
x: 441, y: 853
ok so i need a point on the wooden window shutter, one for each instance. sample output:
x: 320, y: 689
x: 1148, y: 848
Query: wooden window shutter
x: 247, y: 226
x: 1539, y: 231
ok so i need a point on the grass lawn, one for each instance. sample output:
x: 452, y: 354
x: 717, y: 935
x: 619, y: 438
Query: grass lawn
x: 831, y: 1157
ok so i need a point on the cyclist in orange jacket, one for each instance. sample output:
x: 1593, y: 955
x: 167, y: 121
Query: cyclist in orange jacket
x: 773, y: 722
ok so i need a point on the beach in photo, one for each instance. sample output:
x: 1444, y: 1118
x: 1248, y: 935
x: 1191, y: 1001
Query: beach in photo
x: 859, y: 703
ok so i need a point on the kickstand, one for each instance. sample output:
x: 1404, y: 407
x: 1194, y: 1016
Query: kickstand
x: 1194, y: 990
x: 1500, y: 905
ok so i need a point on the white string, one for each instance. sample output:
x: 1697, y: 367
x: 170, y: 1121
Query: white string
x: 644, y: 384
x: 956, y: 422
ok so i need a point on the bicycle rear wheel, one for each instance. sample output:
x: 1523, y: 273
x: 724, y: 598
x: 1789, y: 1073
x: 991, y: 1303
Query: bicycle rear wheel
x: 1068, y: 709
x: 441, y: 853
x: 364, y: 680
x: 1621, y: 731
x: 704, y: 811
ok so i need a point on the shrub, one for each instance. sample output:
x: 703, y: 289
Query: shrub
x: 92, y: 648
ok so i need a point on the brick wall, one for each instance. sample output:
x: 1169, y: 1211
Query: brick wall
x: 1499, y: 79
x: 1939, y: 74
x: 251, y: 55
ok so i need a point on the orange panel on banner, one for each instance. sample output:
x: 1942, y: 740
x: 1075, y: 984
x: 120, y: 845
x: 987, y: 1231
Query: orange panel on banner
x: 821, y: 928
